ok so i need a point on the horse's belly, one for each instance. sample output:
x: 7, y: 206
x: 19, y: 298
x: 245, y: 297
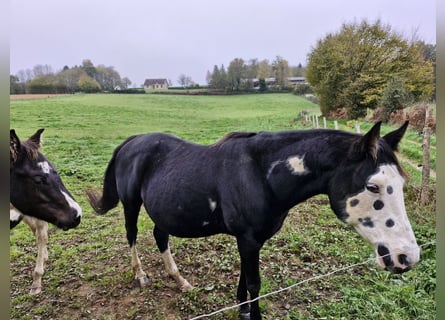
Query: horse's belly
x: 183, y: 221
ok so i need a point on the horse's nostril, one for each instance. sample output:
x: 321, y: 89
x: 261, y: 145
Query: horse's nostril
x: 382, y: 250
x: 403, y: 259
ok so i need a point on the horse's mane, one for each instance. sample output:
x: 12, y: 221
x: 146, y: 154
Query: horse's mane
x: 234, y: 135
x: 30, y: 150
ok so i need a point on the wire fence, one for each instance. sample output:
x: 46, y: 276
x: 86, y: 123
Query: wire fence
x: 294, y: 285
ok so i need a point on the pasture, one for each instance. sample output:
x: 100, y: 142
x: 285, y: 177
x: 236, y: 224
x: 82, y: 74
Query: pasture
x: 88, y: 275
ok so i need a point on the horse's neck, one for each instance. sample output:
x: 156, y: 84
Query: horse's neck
x: 302, y: 169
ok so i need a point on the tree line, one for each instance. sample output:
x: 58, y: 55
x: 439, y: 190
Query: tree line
x: 244, y: 75
x: 84, y: 78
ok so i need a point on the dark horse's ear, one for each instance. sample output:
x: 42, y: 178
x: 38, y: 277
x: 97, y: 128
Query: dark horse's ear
x: 35, y: 138
x: 367, y: 145
x: 393, y: 138
x: 14, y: 146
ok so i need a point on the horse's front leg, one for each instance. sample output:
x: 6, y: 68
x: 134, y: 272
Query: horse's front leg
x: 169, y: 263
x: 241, y: 294
x: 40, y: 230
x: 249, y: 250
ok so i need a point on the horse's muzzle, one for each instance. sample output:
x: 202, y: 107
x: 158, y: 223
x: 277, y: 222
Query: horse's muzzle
x: 72, y: 224
x: 397, y: 263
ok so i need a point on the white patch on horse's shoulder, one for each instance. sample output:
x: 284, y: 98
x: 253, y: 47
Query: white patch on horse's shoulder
x: 14, y: 213
x: 44, y: 165
x: 73, y: 204
x: 212, y: 204
x: 296, y: 165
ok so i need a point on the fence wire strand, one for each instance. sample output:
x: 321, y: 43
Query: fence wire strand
x: 294, y: 285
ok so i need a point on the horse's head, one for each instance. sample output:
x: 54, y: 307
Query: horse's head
x: 367, y: 193
x: 35, y: 186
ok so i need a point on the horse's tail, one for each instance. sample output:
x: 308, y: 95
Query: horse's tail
x: 109, y: 198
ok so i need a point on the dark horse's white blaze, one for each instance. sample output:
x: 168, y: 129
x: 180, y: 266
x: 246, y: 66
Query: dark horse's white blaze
x: 246, y: 183
x: 38, y: 196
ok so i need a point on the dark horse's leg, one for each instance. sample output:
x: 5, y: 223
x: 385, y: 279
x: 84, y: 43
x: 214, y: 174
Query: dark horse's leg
x: 170, y: 265
x: 131, y: 211
x: 249, y: 251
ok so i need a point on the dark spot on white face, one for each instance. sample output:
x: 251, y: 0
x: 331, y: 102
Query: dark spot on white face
x: 354, y: 202
x: 390, y: 223
x: 367, y: 222
x: 378, y: 205
x: 389, y: 190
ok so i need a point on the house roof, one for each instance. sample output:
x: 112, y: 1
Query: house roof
x: 150, y: 82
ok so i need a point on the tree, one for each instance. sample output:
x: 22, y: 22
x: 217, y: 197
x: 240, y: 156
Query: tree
x: 15, y: 87
x: 262, y: 85
x: 264, y: 69
x: 281, y: 71
x: 126, y: 82
x: 69, y: 78
x: 236, y: 73
x: 218, y: 79
x: 89, y: 68
x: 88, y: 84
x: 184, y: 81
x: 395, y: 97
x: 351, y: 68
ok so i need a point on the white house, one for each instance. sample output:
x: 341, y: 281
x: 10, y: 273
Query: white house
x: 156, y: 84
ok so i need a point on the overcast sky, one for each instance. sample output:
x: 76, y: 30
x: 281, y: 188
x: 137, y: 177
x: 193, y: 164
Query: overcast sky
x: 163, y: 39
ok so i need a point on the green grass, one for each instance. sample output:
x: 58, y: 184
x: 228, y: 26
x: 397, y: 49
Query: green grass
x: 89, y: 274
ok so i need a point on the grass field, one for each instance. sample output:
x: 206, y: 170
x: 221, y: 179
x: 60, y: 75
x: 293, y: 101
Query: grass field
x: 89, y: 275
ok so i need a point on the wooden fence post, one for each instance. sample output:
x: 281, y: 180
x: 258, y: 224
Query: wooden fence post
x: 324, y: 122
x: 424, y: 191
x: 336, y: 124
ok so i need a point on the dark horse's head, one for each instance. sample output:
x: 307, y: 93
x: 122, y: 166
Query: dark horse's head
x: 367, y: 193
x: 35, y: 186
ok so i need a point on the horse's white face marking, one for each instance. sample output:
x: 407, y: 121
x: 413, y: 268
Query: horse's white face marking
x: 378, y: 214
x: 14, y: 213
x: 296, y: 165
x: 205, y: 223
x: 45, y: 167
x: 73, y: 204
x: 212, y: 204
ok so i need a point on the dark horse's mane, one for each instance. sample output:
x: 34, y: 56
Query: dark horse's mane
x: 234, y: 135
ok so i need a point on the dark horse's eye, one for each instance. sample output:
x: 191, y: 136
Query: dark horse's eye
x: 372, y: 187
x: 39, y: 179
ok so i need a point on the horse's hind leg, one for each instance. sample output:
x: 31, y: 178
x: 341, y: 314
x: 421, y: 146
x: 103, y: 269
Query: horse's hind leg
x: 131, y: 211
x: 40, y: 230
x: 169, y: 263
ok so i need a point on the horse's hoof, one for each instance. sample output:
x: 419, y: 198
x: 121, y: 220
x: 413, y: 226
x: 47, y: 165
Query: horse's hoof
x: 142, y: 281
x: 244, y: 315
x: 34, y: 291
x: 186, y: 287
x: 244, y: 312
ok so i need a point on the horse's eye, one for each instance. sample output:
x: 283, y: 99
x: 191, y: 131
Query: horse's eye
x: 372, y: 187
x: 39, y: 179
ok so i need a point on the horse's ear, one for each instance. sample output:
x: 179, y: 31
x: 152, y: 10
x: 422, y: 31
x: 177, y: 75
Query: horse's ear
x: 367, y: 145
x: 35, y: 138
x: 393, y: 138
x: 14, y: 146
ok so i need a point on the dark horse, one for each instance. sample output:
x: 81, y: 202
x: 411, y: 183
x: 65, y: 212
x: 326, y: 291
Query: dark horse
x: 245, y: 184
x: 38, y: 196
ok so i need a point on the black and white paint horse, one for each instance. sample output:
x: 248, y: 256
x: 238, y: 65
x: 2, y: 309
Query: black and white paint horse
x: 38, y: 196
x: 245, y: 184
